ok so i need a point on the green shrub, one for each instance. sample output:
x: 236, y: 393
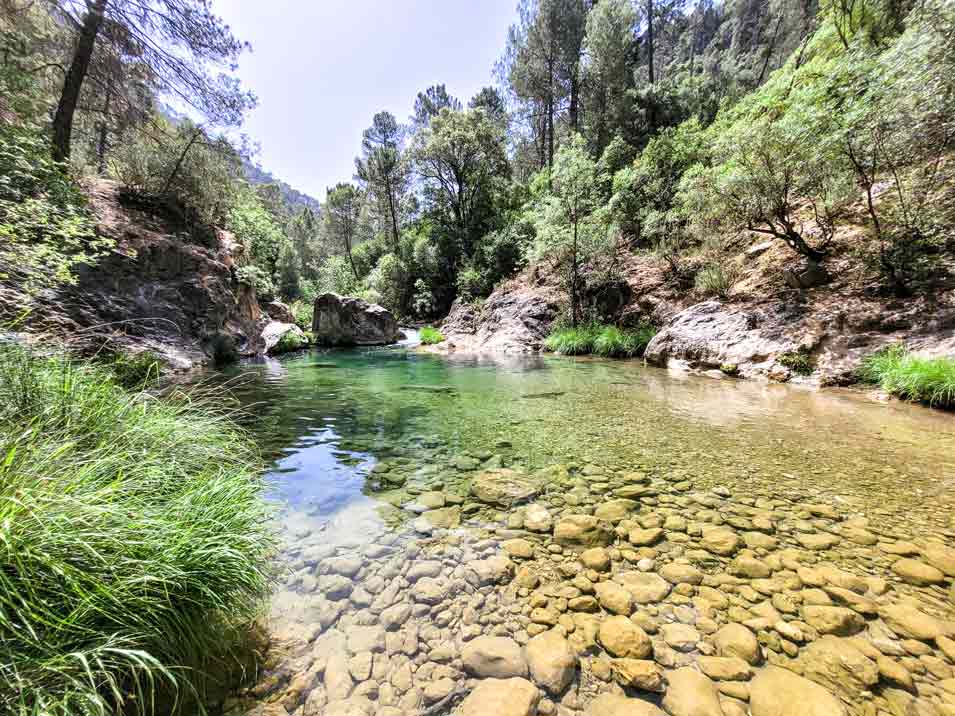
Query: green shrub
x: 302, y: 312
x: 615, y: 343
x: 46, y: 230
x: 290, y: 341
x: 926, y: 380
x: 430, y: 336
x: 713, y: 280
x: 134, y: 540
x: 799, y: 362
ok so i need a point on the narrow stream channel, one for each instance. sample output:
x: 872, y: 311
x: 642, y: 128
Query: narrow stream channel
x: 429, y: 514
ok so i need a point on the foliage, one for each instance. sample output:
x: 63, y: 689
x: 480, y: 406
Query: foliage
x: 571, y: 228
x: 46, y: 231
x: 911, y: 377
x: 572, y: 341
x: 613, y: 342
x: 430, y: 336
x: 799, y: 362
x: 302, y: 311
x: 180, y: 165
x: 253, y: 276
x: 713, y: 280
x: 133, y: 538
x: 290, y: 341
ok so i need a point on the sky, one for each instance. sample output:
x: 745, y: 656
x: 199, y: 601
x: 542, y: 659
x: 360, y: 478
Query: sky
x: 322, y: 68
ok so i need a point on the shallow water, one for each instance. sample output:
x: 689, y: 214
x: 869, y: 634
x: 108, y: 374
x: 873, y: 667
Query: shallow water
x: 355, y: 437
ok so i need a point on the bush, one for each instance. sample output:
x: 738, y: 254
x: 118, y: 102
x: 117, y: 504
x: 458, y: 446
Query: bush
x: 291, y: 341
x: 302, y: 312
x: 134, y: 541
x: 430, y: 336
x: 713, y: 280
x: 254, y: 276
x: 46, y: 230
x: 925, y: 380
x: 798, y: 362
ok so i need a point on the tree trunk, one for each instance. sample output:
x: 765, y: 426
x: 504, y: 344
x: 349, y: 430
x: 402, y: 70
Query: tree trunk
x: 63, y: 119
x: 394, y: 218
x: 650, y: 41
x: 574, y: 300
x: 573, y: 110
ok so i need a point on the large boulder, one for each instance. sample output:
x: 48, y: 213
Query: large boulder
x: 552, y: 662
x: 348, y: 321
x: 282, y: 337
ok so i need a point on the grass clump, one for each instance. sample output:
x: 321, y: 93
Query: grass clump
x: 430, y: 336
x: 134, y: 542
x: 135, y: 372
x: 924, y: 380
x: 798, y: 362
x: 606, y: 341
x: 572, y: 341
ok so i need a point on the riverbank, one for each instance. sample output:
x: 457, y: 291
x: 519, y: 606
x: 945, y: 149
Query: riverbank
x: 760, y: 329
x: 135, y: 542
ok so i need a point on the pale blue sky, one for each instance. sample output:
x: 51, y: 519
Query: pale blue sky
x: 322, y: 68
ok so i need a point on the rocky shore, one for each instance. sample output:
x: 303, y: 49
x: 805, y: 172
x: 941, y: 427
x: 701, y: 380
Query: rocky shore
x: 595, y: 590
x: 751, y: 333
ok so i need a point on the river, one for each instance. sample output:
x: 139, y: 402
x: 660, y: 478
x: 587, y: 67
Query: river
x: 818, y: 522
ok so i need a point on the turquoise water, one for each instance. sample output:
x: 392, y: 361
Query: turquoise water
x: 372, y: 454
x: 325, y: 418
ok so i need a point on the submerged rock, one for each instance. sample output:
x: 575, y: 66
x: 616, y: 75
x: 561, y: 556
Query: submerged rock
x: 778, y: 692
x: 347, y: 321
x: 502, y: 697
x: 504, y: 487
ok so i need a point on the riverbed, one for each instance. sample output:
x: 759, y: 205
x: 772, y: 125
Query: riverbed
x: 543, y: 535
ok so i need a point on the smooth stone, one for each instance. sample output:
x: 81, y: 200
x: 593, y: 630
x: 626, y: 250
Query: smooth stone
x: 583, y: 531
x: 644, y: 587
x: 552, y: 661
x: 643, y: 674
x: 839, y: 666
x: 614, y: 598
x: 839, y: 621
x: 596, y: 558
x: 917, y: 573
x: 681, y: 637
x: 502, y: 697
x: 778, y: 692
x: 691, y: 693
x: 910, y: 622
x: 622, y: 638
x: 725, y: 668
x: 736, y: 640
x: 493, y: 656
x: 676, y: 573
x: 720, y: 540
x: 616, y: 705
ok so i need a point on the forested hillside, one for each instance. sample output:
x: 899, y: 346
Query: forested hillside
x: 674, y: 130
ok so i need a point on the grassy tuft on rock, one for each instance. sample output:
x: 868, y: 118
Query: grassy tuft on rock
x: 606, y: 341
x: 430, y: 336
x: 911, y: 377
x: 134, y: 542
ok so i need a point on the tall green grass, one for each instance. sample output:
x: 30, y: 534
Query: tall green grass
x: 607, y: 341
x: 134, y: 542
x: 430, y: 336
x: 925, y: 380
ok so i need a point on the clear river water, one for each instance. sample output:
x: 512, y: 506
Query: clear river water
x: 452, y: 521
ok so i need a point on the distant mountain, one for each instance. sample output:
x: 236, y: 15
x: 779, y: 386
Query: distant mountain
x: 295, y: 199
